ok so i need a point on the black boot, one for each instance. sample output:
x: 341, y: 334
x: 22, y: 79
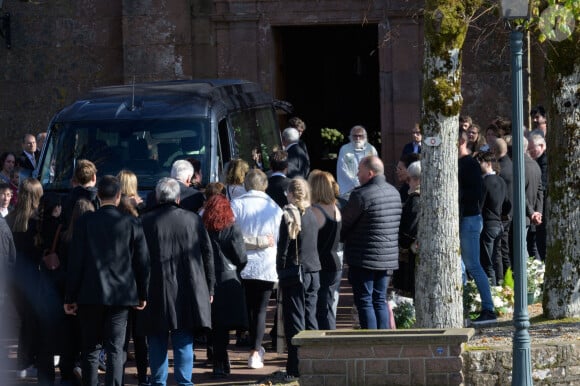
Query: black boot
x: 219, y: 370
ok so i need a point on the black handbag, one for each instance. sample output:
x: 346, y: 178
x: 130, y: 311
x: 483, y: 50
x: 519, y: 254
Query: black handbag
x: 292, y: 275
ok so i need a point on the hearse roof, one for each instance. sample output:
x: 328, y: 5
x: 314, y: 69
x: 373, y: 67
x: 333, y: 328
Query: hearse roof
x: 168, y: 99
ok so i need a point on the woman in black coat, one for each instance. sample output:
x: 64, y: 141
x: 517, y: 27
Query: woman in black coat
x: 36, y: 293
x: 404, y: 277
x: 228, y: 310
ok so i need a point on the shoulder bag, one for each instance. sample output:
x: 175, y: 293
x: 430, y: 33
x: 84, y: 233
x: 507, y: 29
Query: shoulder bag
x: 292, y: 275
x: 50, y: 258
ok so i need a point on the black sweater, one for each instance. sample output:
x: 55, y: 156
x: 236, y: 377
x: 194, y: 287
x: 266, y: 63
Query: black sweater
x: 494, y: 195
x: 470, y: 186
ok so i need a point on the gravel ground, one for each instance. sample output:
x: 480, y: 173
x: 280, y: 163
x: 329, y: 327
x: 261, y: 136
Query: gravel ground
x: 541, y: 331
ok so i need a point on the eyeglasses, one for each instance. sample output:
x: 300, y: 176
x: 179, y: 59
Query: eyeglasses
x: 358, y: 136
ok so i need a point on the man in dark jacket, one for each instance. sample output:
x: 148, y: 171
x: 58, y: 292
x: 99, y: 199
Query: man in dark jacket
x: 182, y: 283
x: 30, y: 154
x: 84, y: 180
x: 534, y: 197
x: 537, y: 234
x: 298, y: 159
x: 190, y: 198
x: 108, y: 272
x: 370, y: 229
x: 278, y: 182
x: 503, y: 250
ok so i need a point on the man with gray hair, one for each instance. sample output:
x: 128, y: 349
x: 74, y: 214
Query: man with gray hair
x: 298, y: 160
x: 349, y: 157
x: 181, y: 285
x: 190, y: 198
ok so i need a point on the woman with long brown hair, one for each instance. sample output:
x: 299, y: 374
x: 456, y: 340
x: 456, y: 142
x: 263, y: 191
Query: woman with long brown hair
x: 229, y: 303
x: 23, y: 222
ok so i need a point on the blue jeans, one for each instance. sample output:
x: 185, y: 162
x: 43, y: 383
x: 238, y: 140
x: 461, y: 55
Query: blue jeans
x: 469, y: 230
x: 182, y: 342
x: 369, y: 289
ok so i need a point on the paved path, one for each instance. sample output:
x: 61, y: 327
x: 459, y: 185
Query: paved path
x: 241, y: 374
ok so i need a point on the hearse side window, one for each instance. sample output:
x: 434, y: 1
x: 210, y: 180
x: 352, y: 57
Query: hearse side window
x: 224, y: 152
x: 255, y: 131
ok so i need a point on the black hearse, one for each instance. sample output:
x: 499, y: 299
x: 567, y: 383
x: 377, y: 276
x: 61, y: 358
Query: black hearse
x: 146, y: 127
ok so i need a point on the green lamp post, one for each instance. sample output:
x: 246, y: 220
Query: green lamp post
x: 522, y: 369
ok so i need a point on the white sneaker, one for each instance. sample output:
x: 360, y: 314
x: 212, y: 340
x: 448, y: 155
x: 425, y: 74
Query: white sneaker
x: 21, y: 374
x: 29, y: 372
x: 56, y: 360
x: 255, y: 362
x: 262, y: 352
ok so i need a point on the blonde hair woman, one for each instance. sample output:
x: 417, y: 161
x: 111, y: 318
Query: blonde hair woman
x: 235, y: 175
x: 131, y: 202
x: 297, y: 245
x: 324, y: 192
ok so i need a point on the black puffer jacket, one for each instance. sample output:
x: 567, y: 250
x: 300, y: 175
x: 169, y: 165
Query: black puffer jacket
x: 370, y: 226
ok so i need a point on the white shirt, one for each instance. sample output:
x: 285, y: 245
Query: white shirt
x: 347, y: 165
x: 258, y: 215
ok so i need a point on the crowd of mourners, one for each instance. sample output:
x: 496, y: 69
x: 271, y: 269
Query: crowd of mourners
x: 92, y: 270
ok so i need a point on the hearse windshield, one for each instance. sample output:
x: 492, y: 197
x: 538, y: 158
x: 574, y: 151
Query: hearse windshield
x: 146, y: 147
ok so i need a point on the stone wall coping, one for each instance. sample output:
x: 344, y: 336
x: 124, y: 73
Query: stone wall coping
x: 383, y: 337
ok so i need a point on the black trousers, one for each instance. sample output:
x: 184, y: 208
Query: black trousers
x: 257, y: 297
x: 102, y: 326
x: 299, y: 309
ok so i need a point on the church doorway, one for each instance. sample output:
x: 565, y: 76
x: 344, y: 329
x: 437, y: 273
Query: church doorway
x: 331, y: 76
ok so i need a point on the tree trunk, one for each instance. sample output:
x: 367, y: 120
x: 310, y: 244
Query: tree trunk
x: 439, y: 300
x: 562, y: 277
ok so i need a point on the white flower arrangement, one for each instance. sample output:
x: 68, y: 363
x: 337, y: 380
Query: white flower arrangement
x: 536, y: 270
x: 503, y: 296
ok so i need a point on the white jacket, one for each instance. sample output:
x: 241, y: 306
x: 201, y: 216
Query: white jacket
x: 258, y: 215
x: 347, y: 165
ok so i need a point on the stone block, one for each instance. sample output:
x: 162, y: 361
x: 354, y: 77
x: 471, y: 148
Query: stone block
x: 312, y: 380
x: 330, y: 366
x: 394, y: 380
x: 399, y: 366
x: 378, y: 366
x: 314, y: 352
x: 352, y: 352
x: 417, y: 371
x: 416, y: 351
x: 333, y: 380
x: 440, y: 365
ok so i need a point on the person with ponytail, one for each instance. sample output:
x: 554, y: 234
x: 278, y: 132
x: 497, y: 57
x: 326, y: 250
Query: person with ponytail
x: 297, y: 245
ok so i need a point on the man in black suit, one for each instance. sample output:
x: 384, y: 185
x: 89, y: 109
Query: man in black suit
x: 415, y: 145
x: 298, y: 160
x: 191, y: 198
x: 108, y: 273
x: 534, y: 196
x: 506, y: 172
x: 278, y: 182
x: 30, y: 154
